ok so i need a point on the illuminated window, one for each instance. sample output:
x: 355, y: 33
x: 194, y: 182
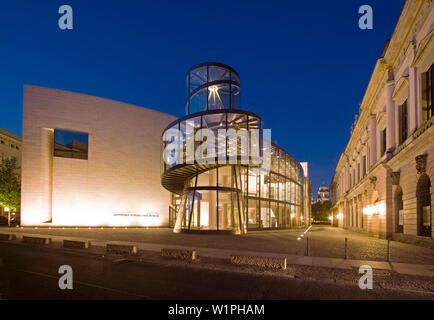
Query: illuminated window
x: 69, y: 144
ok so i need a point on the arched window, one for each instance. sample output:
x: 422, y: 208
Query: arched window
x: 399, y: 211
x: 423, y: 206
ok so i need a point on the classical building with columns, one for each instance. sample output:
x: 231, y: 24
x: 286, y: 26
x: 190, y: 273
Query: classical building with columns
x: 383, y: 183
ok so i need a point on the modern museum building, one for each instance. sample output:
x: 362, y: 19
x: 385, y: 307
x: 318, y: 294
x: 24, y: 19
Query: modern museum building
x: 94, y: 162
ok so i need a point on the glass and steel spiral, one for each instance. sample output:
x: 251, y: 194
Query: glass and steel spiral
x: 219, y: 195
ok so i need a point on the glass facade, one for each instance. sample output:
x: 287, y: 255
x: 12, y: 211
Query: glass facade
x: 227, y: 193
x: 212, y: 86
x: 215, y: 199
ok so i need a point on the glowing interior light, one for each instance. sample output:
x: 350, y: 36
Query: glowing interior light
x: 7, y: 209
x: 213, y: 89
x: 331, y: 218
x: 369, y: 210
x: 292, y: 215
x: 381, y: 209
x: 298, y: 238
x: 340, y: 215
x: 378, y: 208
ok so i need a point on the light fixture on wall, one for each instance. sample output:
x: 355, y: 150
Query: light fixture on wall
x: 377, y: 209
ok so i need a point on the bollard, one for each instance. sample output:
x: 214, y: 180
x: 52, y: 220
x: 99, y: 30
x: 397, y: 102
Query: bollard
x: 346, y: 248
x: 307, y: 246
x: 388, y: 250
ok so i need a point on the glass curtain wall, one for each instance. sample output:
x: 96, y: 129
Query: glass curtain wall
x: 216, y: 198
x: 216, y: 195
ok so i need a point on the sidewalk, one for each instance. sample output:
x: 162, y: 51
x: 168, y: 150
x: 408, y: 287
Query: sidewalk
x: 401, y: 268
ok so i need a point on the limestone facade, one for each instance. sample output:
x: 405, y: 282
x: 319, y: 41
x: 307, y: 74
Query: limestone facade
x: 119, y: 182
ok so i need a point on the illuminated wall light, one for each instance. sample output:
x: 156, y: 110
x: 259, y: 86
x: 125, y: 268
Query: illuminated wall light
x: 378, y: 208
x: 331, y: 218
x: 368, y: 211
x: 381, y: 209
x: 7, y: 209
x: 292, y: 215
x: 340, y: 215
x: 298, y: 238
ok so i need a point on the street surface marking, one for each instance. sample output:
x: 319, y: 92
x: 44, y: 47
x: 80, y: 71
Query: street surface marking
x: 89, y: 285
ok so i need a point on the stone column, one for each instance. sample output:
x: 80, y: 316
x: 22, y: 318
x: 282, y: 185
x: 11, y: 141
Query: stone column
x: 390, y: 113
x: 372, y: 140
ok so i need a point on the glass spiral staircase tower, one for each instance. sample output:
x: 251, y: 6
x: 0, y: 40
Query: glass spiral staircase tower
x: 213, y: 195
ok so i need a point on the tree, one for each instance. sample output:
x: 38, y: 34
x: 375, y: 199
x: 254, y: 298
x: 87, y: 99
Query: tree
x: 321, y: 210
x: 10, y: 185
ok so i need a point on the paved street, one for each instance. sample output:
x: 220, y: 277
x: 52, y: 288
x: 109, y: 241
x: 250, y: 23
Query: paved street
x: 31, y: 272
x: 324, y: 242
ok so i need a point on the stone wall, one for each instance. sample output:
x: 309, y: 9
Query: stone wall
x: 118, y: 185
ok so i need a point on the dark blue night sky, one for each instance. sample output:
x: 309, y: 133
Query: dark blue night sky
x: 304, y: 65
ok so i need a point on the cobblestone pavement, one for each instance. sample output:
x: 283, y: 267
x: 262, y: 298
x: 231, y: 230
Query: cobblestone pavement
x: 324, y: 241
